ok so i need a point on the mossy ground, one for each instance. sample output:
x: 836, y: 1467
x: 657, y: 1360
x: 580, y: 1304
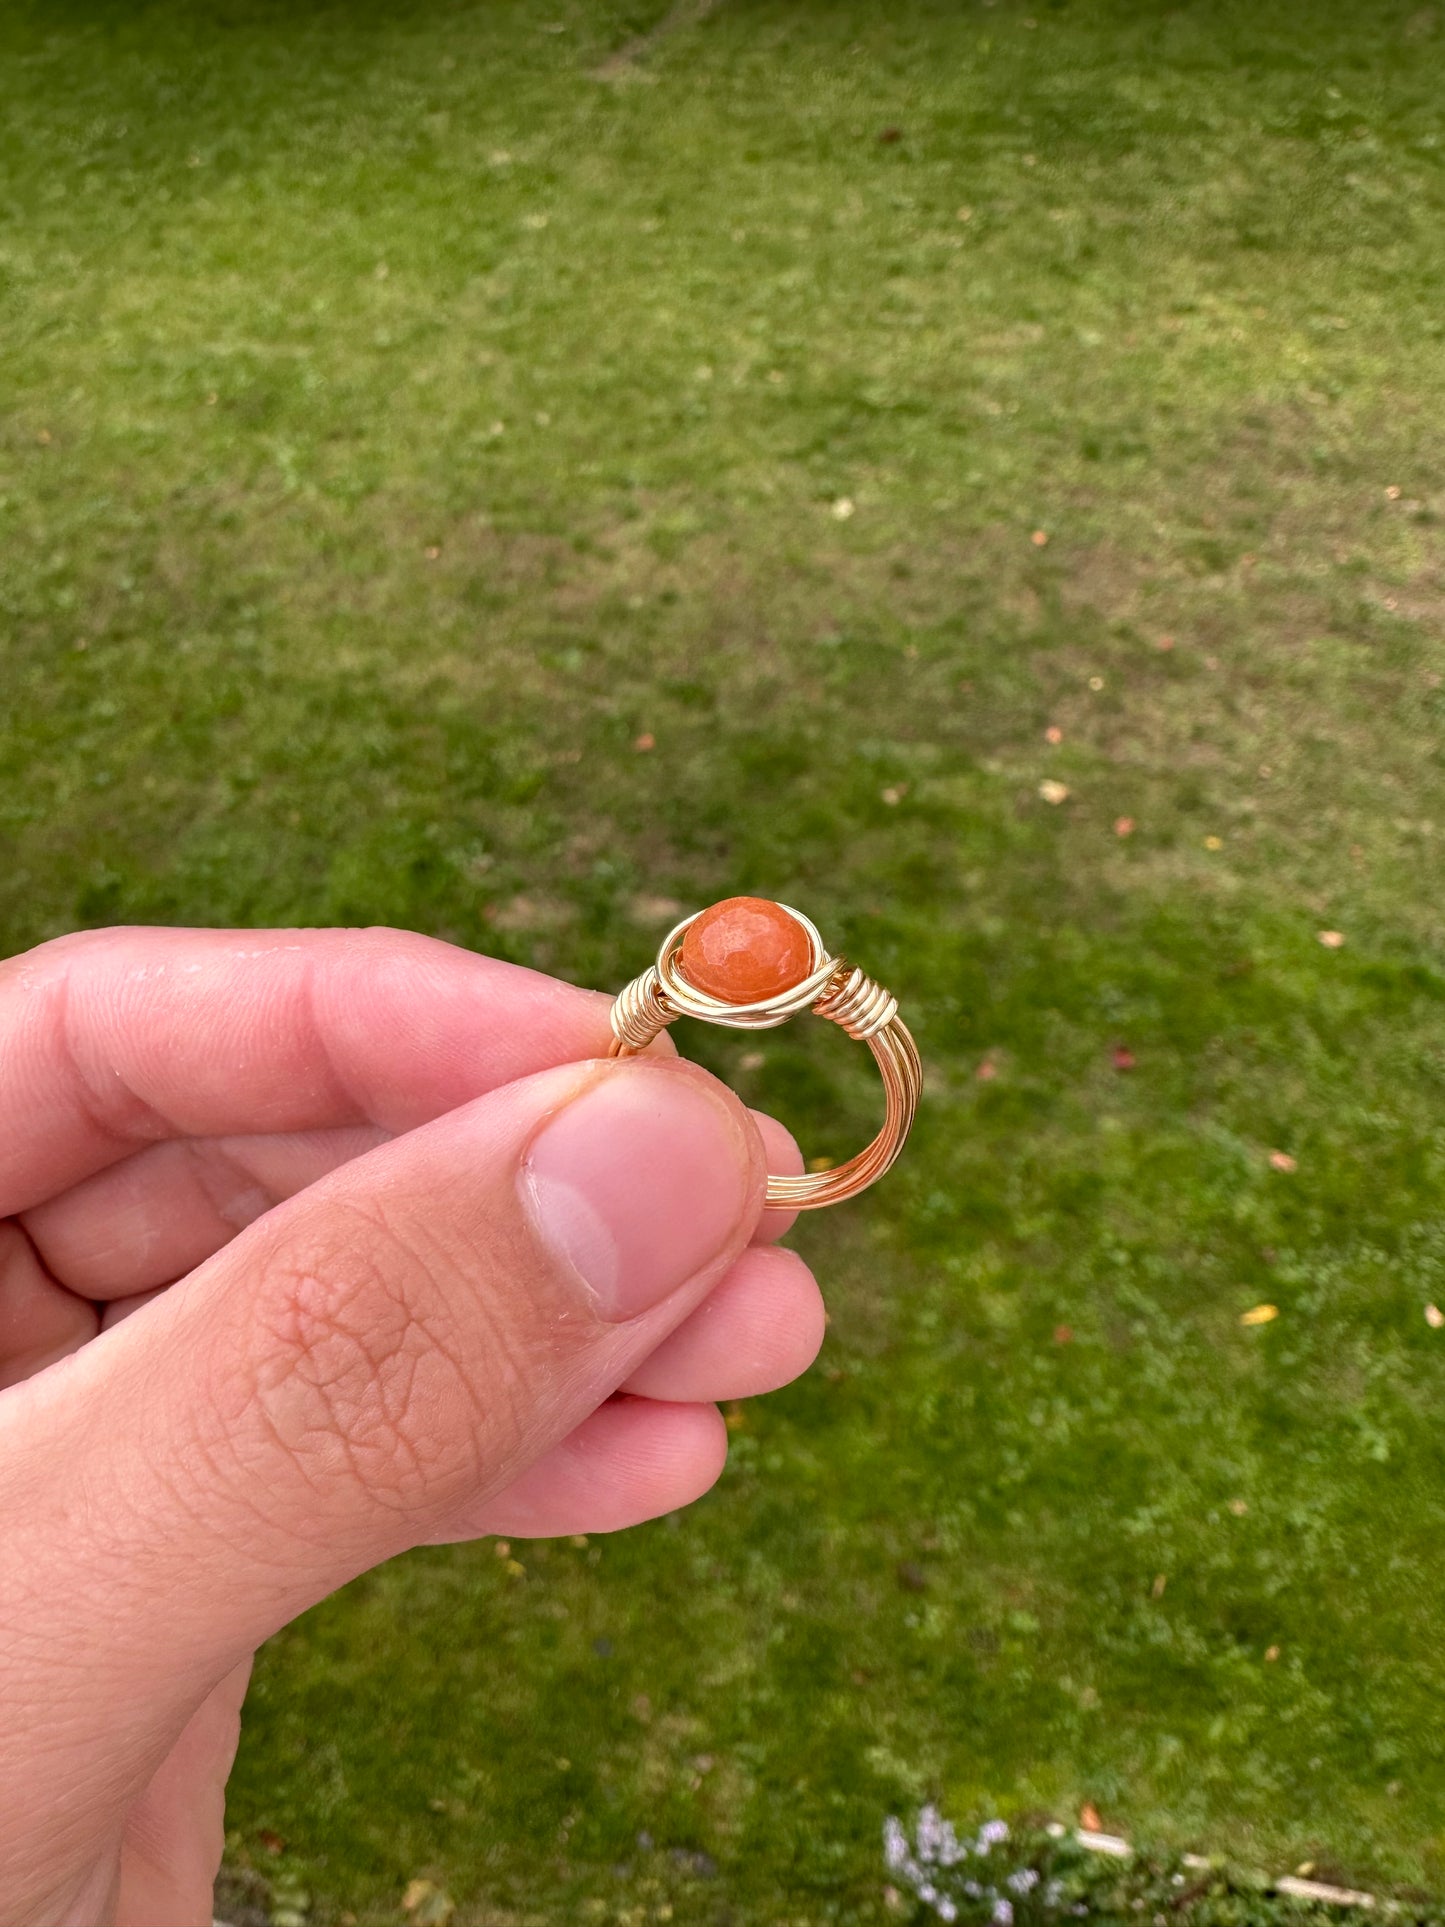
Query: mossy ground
x: 408, y: 409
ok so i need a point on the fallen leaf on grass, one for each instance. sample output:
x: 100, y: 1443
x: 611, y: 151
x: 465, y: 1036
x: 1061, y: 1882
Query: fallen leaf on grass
x: 894, y: 794
x: 1038, y: 538
x: 645, y: 741
x: 1259, y: 1315
x: 1124, y: 1059
x: 1282, y: 1161
x: 1434, y: 1317
x: 1161, y: 1580
x: 1271, y: 1654
x: 1053, y: 734
x: 1214, y: 842
x: 1239, y: 1507
x: 1331, y: 939
x: 843, y: 508
x: 987, y: 1071
x: 1053, y: 792
x: 428, y: 1904
x: 1063, y: 1334
x: 1089, y: 1817
x: 1123, y: 826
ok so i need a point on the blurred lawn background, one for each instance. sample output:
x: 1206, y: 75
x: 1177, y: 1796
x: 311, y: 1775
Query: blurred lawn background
x: 522, y: 469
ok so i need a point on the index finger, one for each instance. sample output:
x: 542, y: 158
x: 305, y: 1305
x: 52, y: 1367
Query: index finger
x: 114, y: 1039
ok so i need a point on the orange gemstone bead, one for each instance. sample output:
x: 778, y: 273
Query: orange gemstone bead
x: 745, y: 949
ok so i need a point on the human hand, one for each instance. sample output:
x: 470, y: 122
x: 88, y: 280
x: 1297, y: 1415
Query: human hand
x: 393, y: 1252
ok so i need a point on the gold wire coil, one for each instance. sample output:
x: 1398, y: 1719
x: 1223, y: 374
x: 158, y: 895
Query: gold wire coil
x: 834, y: 989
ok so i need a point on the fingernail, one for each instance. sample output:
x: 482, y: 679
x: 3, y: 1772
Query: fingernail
x: 641, y: 1181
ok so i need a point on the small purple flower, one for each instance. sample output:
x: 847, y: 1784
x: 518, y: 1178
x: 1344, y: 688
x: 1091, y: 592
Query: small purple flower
x: 1022, y: 1882
x: 991, y: 1833
x: 1003, y: 1913
x: 895, y: 1844
x: 936, y: 1838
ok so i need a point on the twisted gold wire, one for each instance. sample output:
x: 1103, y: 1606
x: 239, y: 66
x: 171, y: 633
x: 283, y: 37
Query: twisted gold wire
x: 834, y: 989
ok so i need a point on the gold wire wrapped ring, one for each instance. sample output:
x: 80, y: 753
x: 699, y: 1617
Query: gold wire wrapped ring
x: 751, y: 964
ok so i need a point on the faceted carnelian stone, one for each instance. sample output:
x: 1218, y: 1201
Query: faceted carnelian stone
x: 745, y: 949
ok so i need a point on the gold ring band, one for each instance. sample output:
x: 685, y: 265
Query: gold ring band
x: 830, y: 987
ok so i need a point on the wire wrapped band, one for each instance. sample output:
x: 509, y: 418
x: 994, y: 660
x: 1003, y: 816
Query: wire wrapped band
x: 834, y: 989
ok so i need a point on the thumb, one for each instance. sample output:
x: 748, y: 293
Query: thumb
x: 390, y: 1346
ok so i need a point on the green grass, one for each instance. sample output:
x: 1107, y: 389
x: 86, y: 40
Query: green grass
x: 292, y: 297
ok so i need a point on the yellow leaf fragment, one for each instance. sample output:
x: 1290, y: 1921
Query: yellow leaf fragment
x: 428, y: 1904
x: 1259, y: 1315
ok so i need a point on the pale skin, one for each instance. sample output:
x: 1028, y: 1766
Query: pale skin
x: 316, y: 1246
